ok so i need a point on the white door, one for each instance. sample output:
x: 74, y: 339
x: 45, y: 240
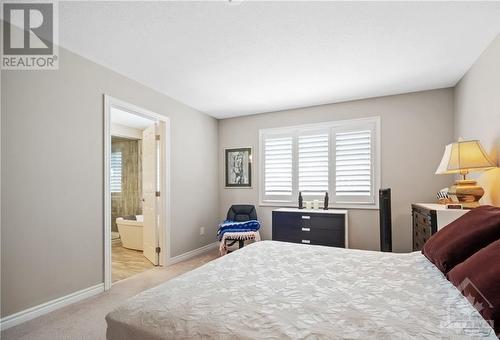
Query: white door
x: 149, y: 180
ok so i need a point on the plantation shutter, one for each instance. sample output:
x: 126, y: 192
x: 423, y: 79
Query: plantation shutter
x: 341, y: 158
x: 354, y: 168
x: 278, y: 157
x: 116, y: 172
x: 313, y: 164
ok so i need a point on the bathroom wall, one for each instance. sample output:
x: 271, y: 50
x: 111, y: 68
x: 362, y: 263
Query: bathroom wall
x: 128, y: 201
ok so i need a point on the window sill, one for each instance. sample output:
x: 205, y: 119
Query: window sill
x: 336, y: 206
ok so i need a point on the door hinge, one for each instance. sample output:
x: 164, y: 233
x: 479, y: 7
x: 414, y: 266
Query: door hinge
x: 157, y: 194
x: 158, y: 249
x: 157, y: 137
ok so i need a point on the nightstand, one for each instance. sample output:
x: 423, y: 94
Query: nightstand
x: 428, y: 218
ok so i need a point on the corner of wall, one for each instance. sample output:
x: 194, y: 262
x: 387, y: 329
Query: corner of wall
x: 477, y: 113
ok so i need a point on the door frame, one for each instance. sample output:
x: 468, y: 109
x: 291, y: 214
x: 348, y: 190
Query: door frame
x: 165, y: 173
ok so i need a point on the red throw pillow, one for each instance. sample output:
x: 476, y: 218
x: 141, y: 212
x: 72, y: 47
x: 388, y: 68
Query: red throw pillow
x: 463, y: 237
x: 478, y: 279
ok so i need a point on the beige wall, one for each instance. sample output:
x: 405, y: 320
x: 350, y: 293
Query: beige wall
x: 52, y: 157
x: 415, y: 129
x: 477, y: 114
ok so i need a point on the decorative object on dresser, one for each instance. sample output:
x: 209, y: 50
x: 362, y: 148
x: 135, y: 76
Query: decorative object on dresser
x: 320, y: 227
x: 316, y: 204
x: 443, y: 196
x: 325, y: 204
x: 301, y: 201
x: 461, y: 158
x: 428, y: 218
x: 238, y: 167
x: 384, y: 200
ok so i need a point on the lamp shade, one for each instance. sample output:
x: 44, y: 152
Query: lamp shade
x: 464, y: 157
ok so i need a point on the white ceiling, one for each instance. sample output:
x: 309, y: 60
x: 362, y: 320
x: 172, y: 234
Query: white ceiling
x: 239, y: 58
x: 128, y: 119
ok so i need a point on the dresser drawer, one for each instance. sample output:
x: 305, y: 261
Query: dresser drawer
x: 324, y: 222
x: 323, y: 237
x: 422, y: 226
x: 308, y: 220
x: 309, y: 228
x: 421, y: 219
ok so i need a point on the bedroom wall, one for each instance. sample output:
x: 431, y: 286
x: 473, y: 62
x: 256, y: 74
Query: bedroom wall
x: 477, y: 111
x: 415, y: 129
x: 52, y: 157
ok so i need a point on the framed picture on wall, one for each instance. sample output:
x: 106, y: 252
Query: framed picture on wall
x: 238, y: 167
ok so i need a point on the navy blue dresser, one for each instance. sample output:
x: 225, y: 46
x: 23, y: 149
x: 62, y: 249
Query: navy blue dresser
x: 308, y: 226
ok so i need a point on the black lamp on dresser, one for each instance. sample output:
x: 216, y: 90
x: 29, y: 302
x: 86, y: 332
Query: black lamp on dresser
x: 311, y: 226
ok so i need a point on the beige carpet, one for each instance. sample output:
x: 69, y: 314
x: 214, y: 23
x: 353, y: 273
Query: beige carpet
x: 85, y: 319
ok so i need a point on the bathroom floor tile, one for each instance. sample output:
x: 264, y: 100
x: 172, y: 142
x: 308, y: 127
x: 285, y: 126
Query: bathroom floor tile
x: 127, y: 262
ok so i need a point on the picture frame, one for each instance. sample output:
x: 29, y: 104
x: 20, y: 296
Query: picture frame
x: 238, y: 167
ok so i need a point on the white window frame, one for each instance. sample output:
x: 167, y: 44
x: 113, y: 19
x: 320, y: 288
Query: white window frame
x: 331, y: 126
x: 278, y: 134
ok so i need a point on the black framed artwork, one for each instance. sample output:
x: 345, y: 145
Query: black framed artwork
x: 238, y: 167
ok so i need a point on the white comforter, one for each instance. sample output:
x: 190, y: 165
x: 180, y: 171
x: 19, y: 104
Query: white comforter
x: 278, y: 290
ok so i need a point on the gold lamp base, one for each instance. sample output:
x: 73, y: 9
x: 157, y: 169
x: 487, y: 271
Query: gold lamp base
x: 467, y: 192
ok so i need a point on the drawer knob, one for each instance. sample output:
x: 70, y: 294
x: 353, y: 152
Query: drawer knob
x: 306, y: 217
x: 306, y: 229
x: 306, y: 241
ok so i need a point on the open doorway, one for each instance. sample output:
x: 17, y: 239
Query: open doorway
x: 136, y: 190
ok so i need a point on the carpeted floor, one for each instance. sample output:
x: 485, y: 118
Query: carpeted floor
x: 85, y: 319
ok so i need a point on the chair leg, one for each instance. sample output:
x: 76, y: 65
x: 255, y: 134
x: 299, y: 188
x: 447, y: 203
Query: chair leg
x: 231, y: 243
x: 241, y: 243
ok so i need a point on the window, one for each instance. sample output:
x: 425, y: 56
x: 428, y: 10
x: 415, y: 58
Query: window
x: 278, y: 168
x: 116, y: 172
x: 340, y: 158
x: 313, y: 164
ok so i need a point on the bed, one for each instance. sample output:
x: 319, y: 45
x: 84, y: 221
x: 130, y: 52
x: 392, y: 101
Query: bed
x: 278, y: 290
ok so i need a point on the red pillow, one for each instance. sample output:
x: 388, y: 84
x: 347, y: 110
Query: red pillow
x: 478, y: 278
x: 463, y: 237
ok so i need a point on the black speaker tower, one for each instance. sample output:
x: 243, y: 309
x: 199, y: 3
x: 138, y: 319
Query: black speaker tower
x: 385, y: 220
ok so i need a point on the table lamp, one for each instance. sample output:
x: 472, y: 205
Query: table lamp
x: 461, y: 158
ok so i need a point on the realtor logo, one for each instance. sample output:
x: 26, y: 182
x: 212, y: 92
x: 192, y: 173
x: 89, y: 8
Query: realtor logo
x: 473, y: 318
x: 30, y: 36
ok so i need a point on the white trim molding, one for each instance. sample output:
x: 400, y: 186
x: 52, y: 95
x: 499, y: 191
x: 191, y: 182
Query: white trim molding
x: 193, y: 253
x: 165, y: 169
x: 50, y: 306
x: 289, y: 136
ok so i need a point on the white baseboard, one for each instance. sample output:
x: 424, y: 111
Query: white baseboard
x: 47, y: 307
x: 192, y: 253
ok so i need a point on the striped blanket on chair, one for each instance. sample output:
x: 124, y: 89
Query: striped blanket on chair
x: 248, y: 230
x: 237, y: 227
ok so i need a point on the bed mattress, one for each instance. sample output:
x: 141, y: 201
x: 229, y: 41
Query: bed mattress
x: 277, y: 290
